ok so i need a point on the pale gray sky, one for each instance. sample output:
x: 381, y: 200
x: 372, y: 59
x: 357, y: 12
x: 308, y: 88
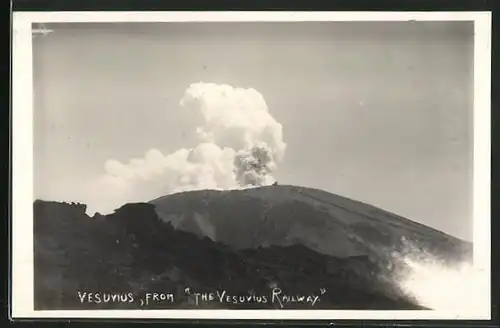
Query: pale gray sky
x: 380, y: 112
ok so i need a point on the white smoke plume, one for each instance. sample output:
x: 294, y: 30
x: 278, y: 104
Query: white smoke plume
x: 239, y: 145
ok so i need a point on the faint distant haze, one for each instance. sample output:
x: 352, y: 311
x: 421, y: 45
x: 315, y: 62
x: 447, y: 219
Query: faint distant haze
x: 380, y: 112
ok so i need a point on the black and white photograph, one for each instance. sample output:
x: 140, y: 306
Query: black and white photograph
x: 270, y: 165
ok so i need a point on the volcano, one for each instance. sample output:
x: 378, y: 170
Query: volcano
x: 287, y: 215
x: 238, y: 242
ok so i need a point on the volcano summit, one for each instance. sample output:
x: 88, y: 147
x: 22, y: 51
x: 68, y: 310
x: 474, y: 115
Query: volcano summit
x: 241, y: 242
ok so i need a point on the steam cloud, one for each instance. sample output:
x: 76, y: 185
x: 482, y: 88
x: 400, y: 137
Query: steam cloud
x: 239, y: 146
x: 454, y: 287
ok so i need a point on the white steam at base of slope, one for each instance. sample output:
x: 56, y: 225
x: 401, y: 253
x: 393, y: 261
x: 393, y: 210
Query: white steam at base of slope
x: 458, y: 288
x: 239, y: 146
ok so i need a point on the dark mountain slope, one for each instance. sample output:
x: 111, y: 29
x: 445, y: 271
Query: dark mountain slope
x: 132, y: 250
x: 287, y: 215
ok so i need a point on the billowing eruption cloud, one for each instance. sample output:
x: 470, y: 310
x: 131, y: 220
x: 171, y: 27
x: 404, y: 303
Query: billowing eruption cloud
x: 239, y: 145
x: 253, y: 167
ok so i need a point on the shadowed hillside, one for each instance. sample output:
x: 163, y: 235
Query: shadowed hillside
x: 249, y: 242
x: 324, y: 222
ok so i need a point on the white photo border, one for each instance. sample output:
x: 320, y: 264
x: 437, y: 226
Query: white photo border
x: 22, y: 296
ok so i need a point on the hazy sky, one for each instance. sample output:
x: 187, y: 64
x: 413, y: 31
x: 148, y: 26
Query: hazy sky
x: 379, y: 112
